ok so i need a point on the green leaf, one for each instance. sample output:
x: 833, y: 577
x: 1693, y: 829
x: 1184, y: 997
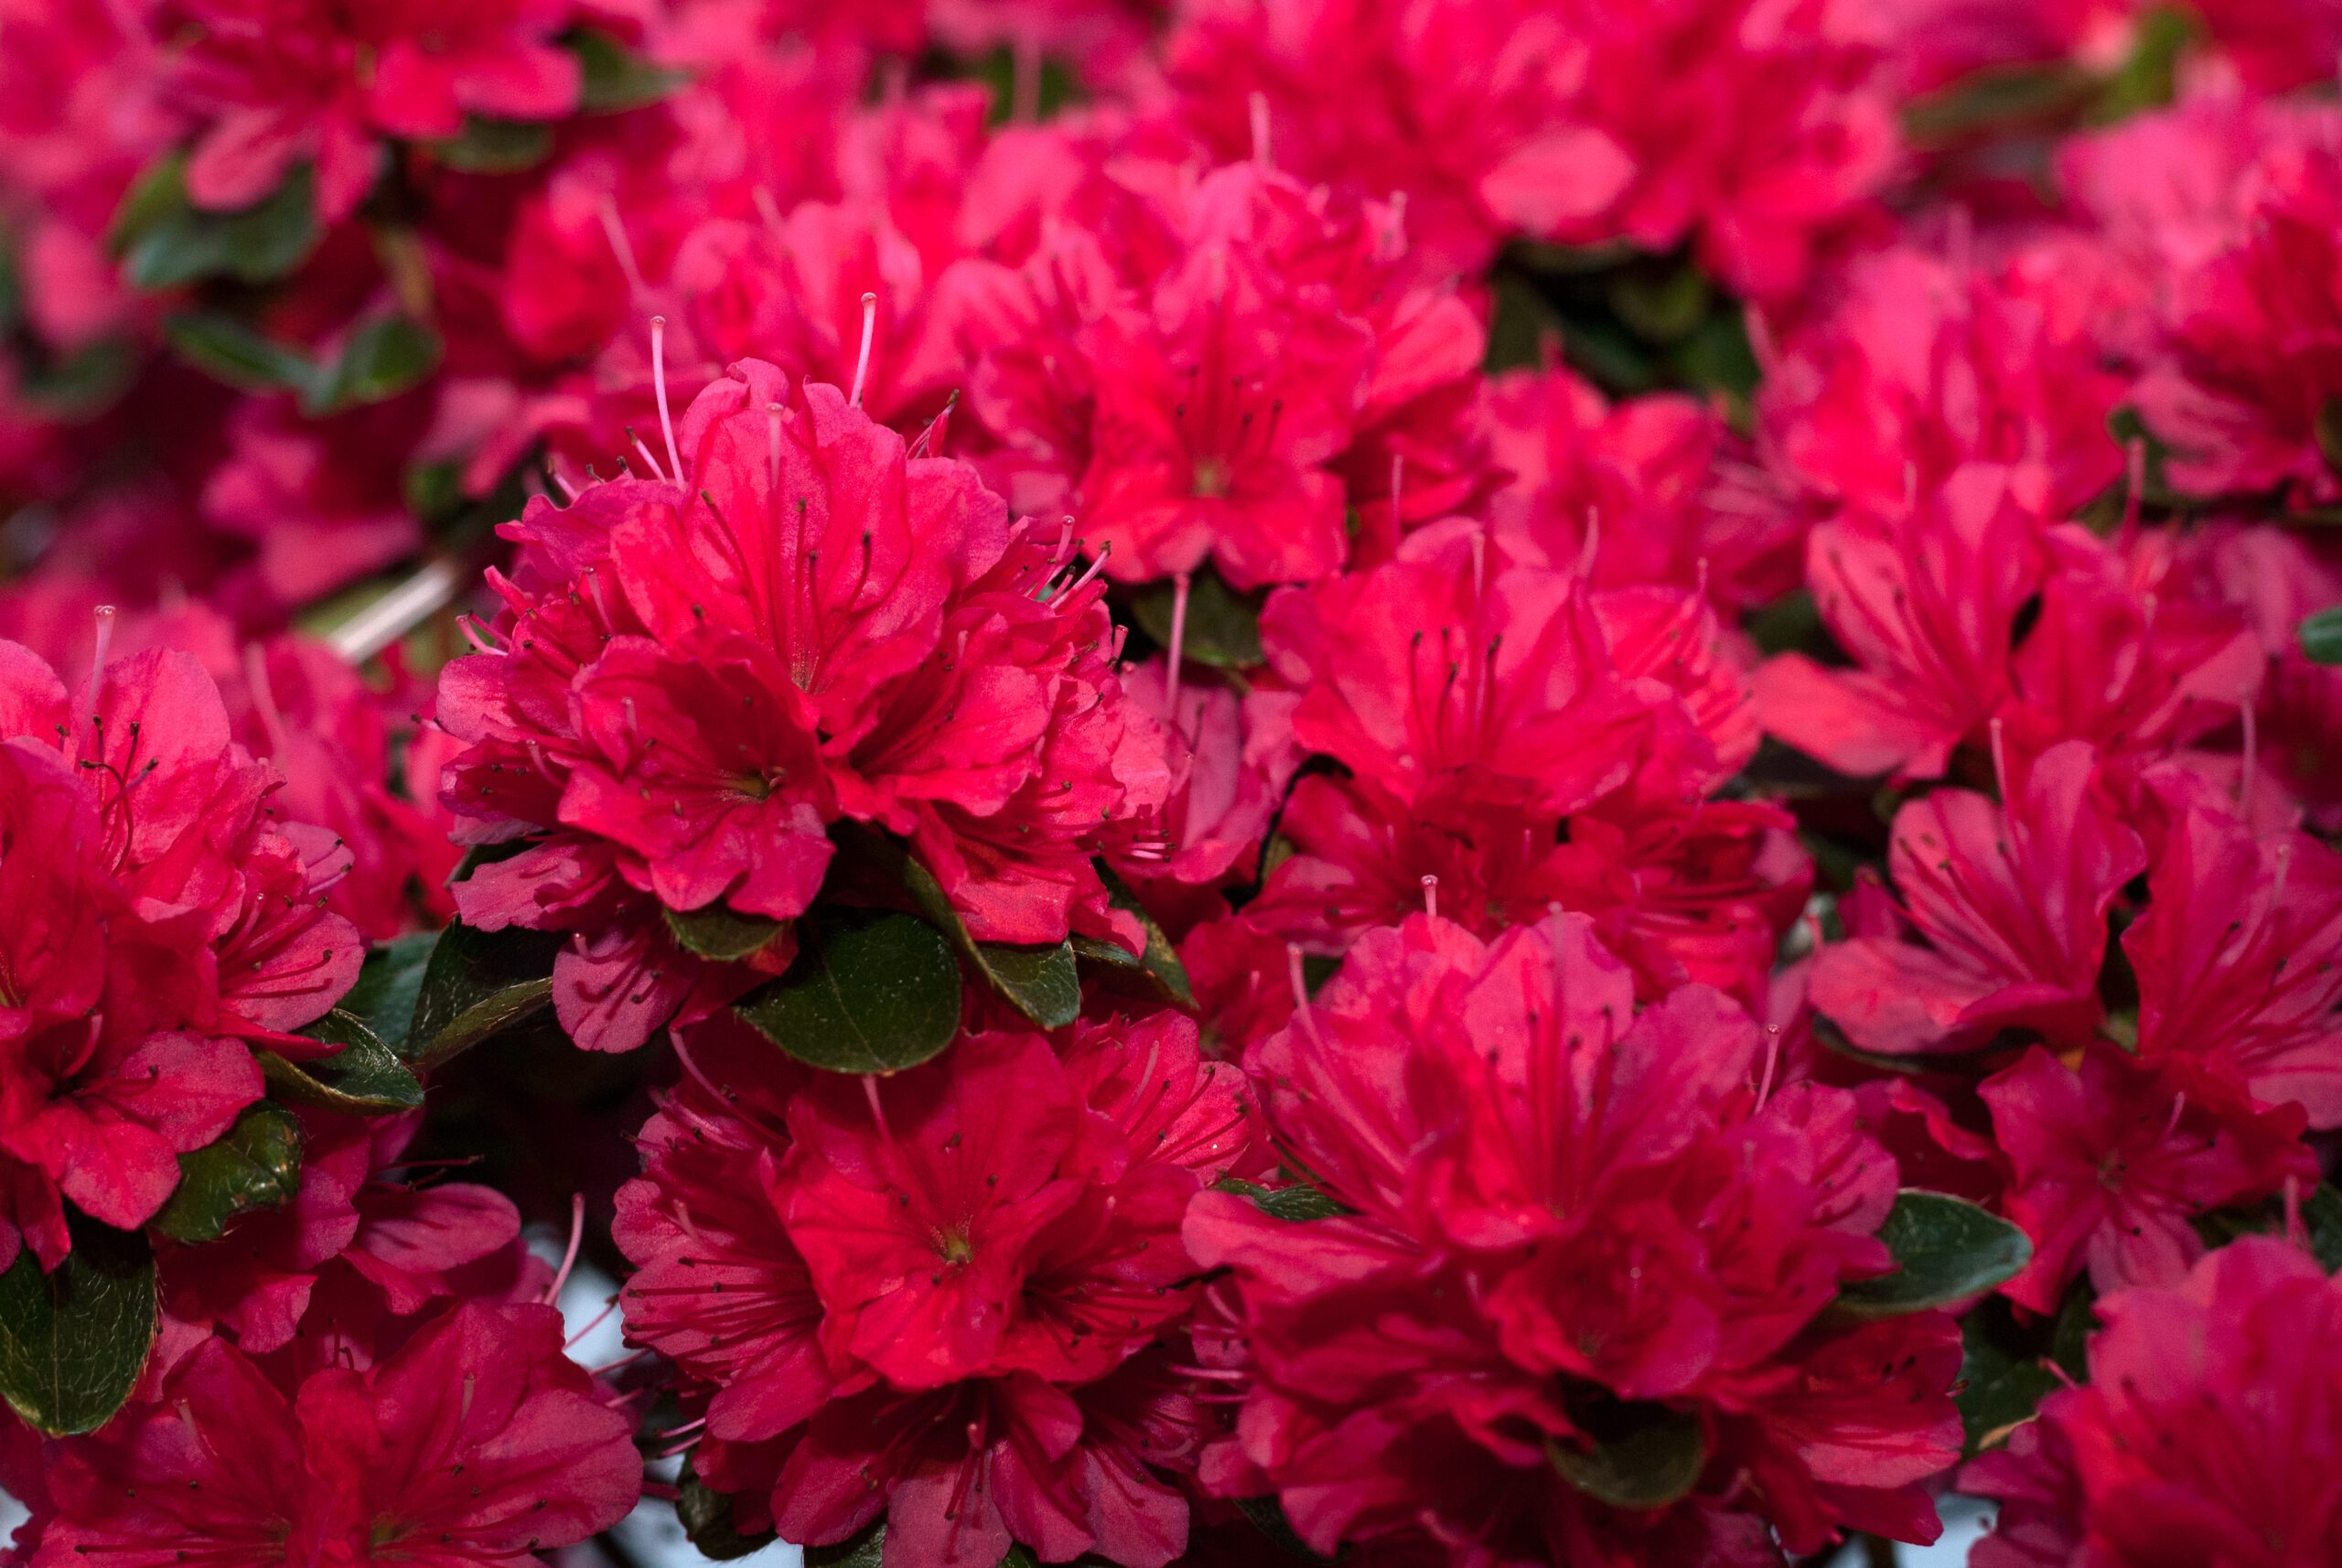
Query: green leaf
x: 1224, y: 626
x: 1946, y: 1250
x: 227, y: 350
x: 73, y: 1342
x: 726, y: 935
x: 1160, y: 959
x: 257, y: 1164
x: 496, y: 146
x: 363, y: 1078
x: 382, y: 357
x: 1297, y: 1201
x: 2002, y: 1376
x: 1040, y: 981
x: 707, y: 1517
x: 2321, y: 1219
x: 478, y: 984
x: 1661, y: 302
x: 167, y: 242
x: 616, y: 77
x: 387, y: 984
x: 158, y: 193
x: 2321, y: 637
x: 1644, y: 1455
x: 870, y: 991
x: 867, y: 1550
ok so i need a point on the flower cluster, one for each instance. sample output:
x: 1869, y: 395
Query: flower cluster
x: 943, y: 1298
x: 164, y: 924
x: 1477, y: 782
x: 1567, y: 1228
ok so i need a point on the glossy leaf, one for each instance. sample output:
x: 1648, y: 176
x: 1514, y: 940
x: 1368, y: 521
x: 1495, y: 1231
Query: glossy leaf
x: 1946, y: 1250
x: 381, y: 358
x: 722, y: 934
x: 478, y: 984
x: 257, y: 1164
x: 1039, y: 981
x: 1645, y: 1455
x: 2321, y: 637
x: 167, y: 242
x: 870, y: 991
x: 364, y: 1077
x: 496, y: 146
x: 229, y: 350
x: 73, y: 1341
x: 388, y: 985
x: 706, y: 1518
x: 616, y: 77
x: 1223, y: 627
x: 1160, y: 959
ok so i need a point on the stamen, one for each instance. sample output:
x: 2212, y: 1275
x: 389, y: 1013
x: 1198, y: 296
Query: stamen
x: 619, y: 248
x: 1180, y: 584
x: 397, y: 612
x: 772, y: 446
x: 272, y: 722
x: 569, y: 1258
x: 1772, y: 1059
x: 1258, y: 106
x: 659, y: 390
x: 1592, y: 546
x: 862, y: 361
x: 1430, y: 895
x: 2001, y: 768
x: 104, y: 614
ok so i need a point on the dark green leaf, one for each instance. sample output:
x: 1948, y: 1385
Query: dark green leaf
x: 496, y: 146
x: 1660, y: 301
x: 1160, y: 960
x: 363, y: 1078
x: 1946, y: 1250
x: 2320, y: 1222
x: 1040, y: 982
x: 2003, y: 1375
x: 870, y: 991
x: 1224, y: 626
x: 224, y: 348
x: 478, y: 984
x: 867, y: 1550
x: 391, y: 979
x: 73, y: 1342
x: 2148, y: 78
x: 1267, y: 1515
x: 722, y: 934
x: 158, y: 193
x: 1298, y: 1201
x: 616, y: 77
x: 167, y: 241
x: 256, y: 1165
x: 2321, y: 637
x: 1644, y: 1455
x: 82, y: 383
x: 381, y: 358
x: 707, y: 1517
